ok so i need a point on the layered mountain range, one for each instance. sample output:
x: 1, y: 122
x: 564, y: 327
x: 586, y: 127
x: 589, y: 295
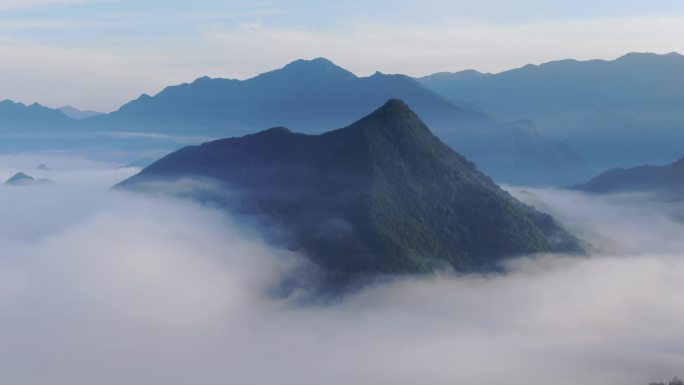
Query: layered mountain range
x: 316, y: 96
x: 554, y: 123
x: 624, y: 111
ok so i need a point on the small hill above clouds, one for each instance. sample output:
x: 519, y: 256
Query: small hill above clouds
x: 381, y: 196
x: 21, y: 179
x: 667, y: 179
x: 307, y: 70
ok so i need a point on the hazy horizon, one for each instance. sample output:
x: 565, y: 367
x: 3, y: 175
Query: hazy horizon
x: 112, y: 51
x: 309, y: 59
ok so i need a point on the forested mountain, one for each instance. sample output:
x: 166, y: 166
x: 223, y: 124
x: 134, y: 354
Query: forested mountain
x: 383, y: 195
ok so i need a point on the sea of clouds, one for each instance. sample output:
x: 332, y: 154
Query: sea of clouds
x: 108, y: 288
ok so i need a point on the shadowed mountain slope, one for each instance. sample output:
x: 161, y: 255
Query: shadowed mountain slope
x: 383, y: 195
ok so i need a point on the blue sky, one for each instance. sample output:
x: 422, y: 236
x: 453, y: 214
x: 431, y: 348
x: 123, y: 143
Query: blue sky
x: 100, y: 53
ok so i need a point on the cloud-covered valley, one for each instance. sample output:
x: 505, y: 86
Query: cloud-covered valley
x: 103, y: 287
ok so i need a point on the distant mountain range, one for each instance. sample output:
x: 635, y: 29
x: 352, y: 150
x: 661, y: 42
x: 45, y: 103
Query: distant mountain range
x: 20, y: 118
x: 31, y: 128
x: 667, y: 179
x: 637, y: 83
x: 381, y: 196
x: 631, y: 107
x: 591, y: 114
x: 309, y: 95
x: 317, y: 95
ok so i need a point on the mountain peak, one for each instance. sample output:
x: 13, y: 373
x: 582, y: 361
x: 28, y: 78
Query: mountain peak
x: 395, y: 125
x: 397, y: 105
x: 202, y: 79
x: 319, y: 62
x: 315, y: 67
x: 381, y: 196
x: 394, y: 115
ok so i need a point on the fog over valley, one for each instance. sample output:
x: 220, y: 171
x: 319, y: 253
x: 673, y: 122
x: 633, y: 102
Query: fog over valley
x: 109, y: 287
x: 333, y: 193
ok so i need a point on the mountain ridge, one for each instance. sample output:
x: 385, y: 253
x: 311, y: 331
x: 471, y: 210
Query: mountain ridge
x: 317, y: 96
x: 30, y: 117
x: 561, y: 97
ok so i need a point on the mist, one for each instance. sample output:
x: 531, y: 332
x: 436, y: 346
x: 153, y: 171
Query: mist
x: 105, y: 287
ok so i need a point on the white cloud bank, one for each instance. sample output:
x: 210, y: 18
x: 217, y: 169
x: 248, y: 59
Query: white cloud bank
x: 134, y: 290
